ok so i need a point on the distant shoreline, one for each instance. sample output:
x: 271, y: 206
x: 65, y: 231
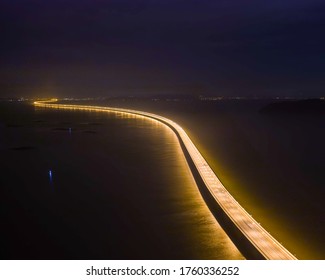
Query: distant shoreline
x: 308, y: 106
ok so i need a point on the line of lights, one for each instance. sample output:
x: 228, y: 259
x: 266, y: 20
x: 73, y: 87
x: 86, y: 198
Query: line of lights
x: 266, y: 244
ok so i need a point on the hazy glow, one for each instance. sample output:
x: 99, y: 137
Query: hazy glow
x: 268, y: 246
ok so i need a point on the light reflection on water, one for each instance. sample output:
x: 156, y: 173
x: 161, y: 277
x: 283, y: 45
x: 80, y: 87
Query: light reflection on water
x: 205, y: 238
x: 124, y: 192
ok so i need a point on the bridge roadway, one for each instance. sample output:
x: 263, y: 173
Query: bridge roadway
x: 264, y: 243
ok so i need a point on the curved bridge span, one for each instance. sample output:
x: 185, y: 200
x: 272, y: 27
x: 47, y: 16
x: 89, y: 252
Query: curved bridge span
x: 266, y: 246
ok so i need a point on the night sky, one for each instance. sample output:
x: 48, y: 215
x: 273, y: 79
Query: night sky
x: 132, y: 47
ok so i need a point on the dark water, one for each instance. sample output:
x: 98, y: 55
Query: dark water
x: 274, y: 164
x: 78, y: 185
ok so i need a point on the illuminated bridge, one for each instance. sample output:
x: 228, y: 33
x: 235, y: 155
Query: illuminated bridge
x: 265, y: 245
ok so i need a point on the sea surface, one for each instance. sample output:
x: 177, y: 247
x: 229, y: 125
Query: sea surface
x: 121, y: 188
x: 82, y: 185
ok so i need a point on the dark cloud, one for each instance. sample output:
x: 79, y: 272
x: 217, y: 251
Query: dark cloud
x: 227, y: 47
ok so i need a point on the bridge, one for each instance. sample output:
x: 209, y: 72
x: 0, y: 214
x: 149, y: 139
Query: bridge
x: 266, y: 246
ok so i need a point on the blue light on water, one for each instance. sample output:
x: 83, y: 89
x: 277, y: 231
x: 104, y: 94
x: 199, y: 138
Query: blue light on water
x: 50, y: 176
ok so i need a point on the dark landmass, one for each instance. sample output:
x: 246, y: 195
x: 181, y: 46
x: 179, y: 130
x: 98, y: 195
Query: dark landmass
x: 310, y: 106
